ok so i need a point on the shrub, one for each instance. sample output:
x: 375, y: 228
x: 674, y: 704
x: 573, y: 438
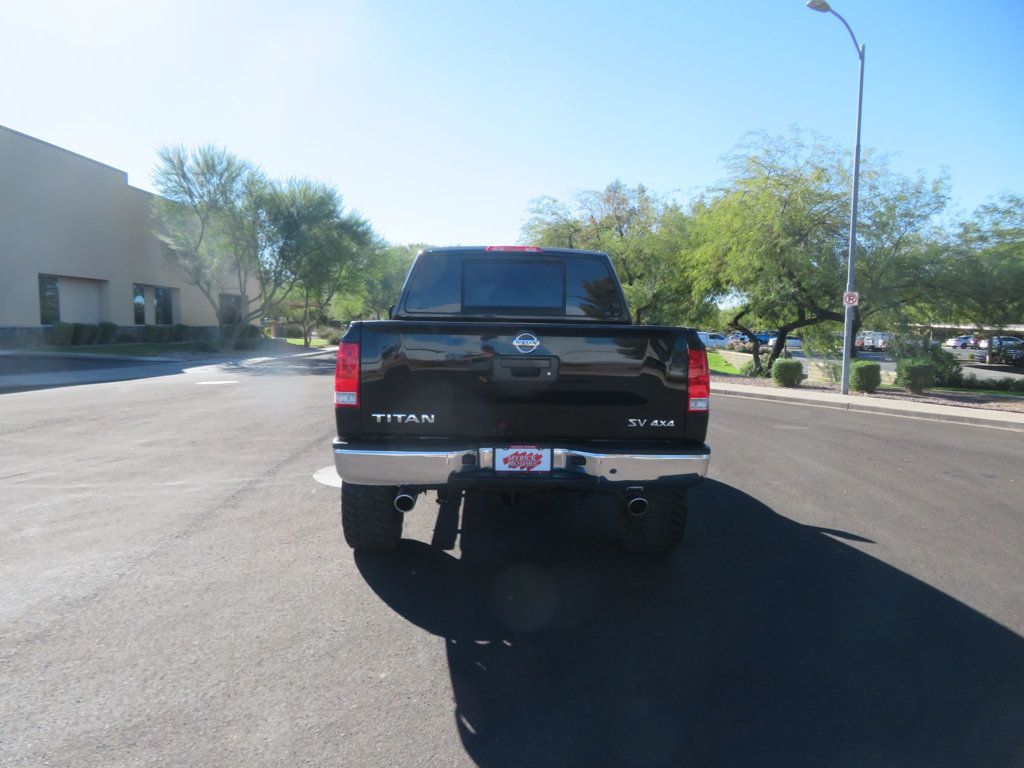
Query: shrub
x: 61, y: 334
x: 747, y: 369
x: 289, y: 331
x: 151, y: 334
x: 916, y: 374
x: 945, y: 367
x: 1005, y: 384
x: 208, y: 346
x: 250, y: 332
x: 107, y: 333
x: 245, y: 343
x: 865, y: 375
x: 179, y: 331
x: 333, y: 338
x: 85, y: 333
x: 787, y: 373
x: 125, y: 338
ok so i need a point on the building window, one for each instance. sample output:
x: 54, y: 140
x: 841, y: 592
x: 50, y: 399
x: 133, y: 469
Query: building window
x: 49, y: 300
x: 162, y: 299
x: 230, y: 308
x: 140, y: 305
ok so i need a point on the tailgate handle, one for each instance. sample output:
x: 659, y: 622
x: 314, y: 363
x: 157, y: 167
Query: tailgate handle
x: 539, y: 369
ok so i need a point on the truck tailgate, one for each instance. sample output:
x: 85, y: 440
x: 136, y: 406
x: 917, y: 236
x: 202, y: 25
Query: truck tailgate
x: 524, y: 381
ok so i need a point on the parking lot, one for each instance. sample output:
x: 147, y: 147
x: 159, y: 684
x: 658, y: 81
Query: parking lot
x: 177, y: 592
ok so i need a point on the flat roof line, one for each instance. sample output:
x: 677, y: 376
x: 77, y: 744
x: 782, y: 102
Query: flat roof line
x: 66, y: 151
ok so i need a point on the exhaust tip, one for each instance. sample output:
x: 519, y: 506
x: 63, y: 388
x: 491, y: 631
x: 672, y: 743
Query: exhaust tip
x: 637, y: 506
x: 404, y: 502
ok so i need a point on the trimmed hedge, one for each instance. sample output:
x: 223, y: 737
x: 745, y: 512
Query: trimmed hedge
x: 787, y: 373
x: 1005, y: 384
x: 159, y: 334
x: 84, y: 333
x: 179, y: 331
x: 126, y: 338
x: 108, y: 332
x: 916, y: 374
x: 865, y: 375
x: 61, y: 334
x: 243, y: 342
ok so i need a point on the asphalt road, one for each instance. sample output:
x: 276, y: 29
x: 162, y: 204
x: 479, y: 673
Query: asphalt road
x: 176, y: 592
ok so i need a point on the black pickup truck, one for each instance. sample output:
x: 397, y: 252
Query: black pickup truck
x: 518, y: 369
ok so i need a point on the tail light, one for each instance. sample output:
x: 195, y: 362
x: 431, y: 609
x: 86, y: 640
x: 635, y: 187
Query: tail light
x: 698, y: 381
x: 346, y: 376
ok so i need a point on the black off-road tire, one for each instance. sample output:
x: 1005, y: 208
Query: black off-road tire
x: 368, y: 517
x: 659, y: 530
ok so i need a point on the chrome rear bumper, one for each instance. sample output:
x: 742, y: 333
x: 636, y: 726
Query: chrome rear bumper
x: 436, y: 468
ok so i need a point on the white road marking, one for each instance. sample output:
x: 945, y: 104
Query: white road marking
x: 327, y: 476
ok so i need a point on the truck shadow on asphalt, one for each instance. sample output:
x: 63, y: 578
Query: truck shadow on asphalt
x: 760, y: 642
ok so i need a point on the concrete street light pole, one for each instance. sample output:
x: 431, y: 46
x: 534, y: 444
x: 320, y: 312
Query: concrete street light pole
x: 824, y: 7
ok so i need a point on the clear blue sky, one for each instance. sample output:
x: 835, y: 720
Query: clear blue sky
x: 440, y: 121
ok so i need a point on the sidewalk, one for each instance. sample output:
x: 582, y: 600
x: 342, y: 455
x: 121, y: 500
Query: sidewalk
x: 130, y: 368
x: 866, y: 404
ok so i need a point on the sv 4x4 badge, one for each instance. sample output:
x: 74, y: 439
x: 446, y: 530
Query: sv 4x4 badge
x: 651, y: 423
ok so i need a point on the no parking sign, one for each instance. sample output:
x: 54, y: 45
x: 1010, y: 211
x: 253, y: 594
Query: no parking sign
x: 851, y: 299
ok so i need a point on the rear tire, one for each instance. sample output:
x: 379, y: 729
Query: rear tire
x: 369, y: 518
x: 659, y: 530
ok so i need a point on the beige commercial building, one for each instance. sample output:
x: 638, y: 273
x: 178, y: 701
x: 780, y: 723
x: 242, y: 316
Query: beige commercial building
x: 77, y: 245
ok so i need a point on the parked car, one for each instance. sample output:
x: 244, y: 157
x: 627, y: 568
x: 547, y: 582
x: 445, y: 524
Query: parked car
x: 713, y: 340
x: 961, y: 342
x: 1012, y: 355
x: 999, y: 341
x: 875, y: 341
x: 1005, y: 349
x: 792, y: 342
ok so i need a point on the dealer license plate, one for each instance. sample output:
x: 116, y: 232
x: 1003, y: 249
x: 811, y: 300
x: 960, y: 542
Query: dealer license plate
x: 522, y: 458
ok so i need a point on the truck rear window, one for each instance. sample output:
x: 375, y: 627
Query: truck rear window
x: 570, y: 286
x: 535, y: 286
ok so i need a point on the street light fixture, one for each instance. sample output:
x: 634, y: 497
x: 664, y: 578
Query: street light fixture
x: 823, y: 7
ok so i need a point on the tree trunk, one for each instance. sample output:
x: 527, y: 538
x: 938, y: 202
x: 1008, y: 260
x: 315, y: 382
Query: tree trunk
x: 756, y: 344
x: 855, y: 329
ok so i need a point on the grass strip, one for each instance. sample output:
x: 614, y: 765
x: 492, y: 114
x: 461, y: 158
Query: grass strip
x: 312, y: 342
x: 718, y: 365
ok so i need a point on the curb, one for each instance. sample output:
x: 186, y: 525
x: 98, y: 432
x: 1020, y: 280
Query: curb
x: 1013, y: 422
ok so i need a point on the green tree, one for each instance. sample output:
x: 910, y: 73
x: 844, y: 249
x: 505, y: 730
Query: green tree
x: 214, y: 223
x: 644, y: 236
x: 326, y: 249
x: 773, y: 239
x: 983, y: 282
x: 386, y: 275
